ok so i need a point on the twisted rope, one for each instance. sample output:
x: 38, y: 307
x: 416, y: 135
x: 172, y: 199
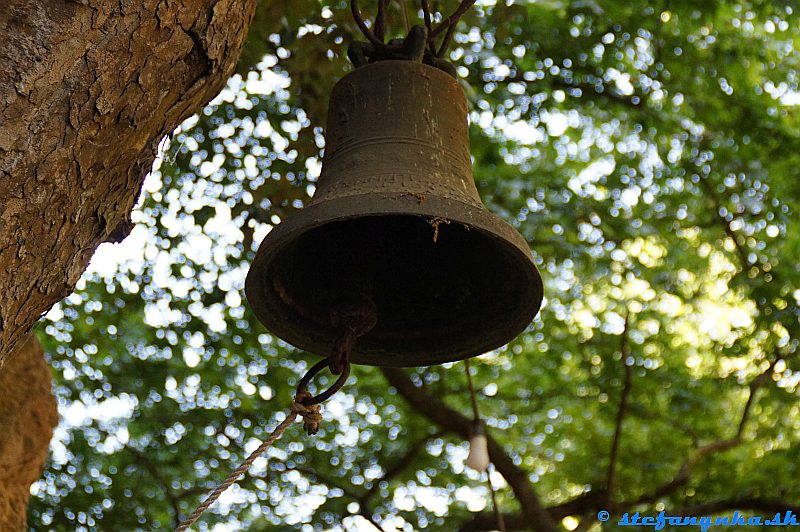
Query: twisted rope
x: 311, y: 417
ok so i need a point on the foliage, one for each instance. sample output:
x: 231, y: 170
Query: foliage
x: 647, y: 150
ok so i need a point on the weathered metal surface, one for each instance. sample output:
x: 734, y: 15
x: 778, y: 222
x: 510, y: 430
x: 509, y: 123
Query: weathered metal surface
x: 397, y: 126
x: 397, y: 215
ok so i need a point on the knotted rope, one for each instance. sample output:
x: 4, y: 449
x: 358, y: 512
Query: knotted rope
x: 353, y: 316
x: 311, y: 418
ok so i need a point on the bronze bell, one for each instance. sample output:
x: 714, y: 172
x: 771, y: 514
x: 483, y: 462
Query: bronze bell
x: 397, y: 217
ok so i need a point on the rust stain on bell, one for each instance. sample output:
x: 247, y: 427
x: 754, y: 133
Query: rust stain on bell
x: 397, y: 216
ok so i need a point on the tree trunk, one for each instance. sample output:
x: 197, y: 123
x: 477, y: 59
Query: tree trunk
x: 27, y: 417
x: 87, y: 90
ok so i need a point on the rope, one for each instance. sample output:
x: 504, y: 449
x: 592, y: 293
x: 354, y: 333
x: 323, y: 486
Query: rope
x: 498, y: 515
x: 354, y: 316
x: 311, y: 418
x: 473, y: 399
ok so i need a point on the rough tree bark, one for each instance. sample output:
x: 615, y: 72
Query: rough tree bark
x: 87, y: 90
x: 27, y: 417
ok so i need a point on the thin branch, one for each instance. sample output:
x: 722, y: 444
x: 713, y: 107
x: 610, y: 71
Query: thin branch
x: 583, y: 504
x: 590, y: 501
x: 452, y: 19
x: 446, y: 41
x: 752, y: 503
x: 319, y: 477
x: 588, y: 89
x: 366, y: 514
x: 426, y: 15
x: 450, y: 420
x: 402, y: 463
x: 362, y: 25
x: 380, y: 20
x: 363, y: 499
x: 634, y: 101
x: 649, y: 415
x: 753, y: 388
x: 729, y: 230
x: 587, y: 520
x: 401, y: 6
x: 621, y: 411
x: 485, y: 522
x: 154, y: 472
x: 363, y: 505
x: 685, y: 471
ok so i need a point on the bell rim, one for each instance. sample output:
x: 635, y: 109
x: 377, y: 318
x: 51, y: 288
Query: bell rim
x: 372, y: 204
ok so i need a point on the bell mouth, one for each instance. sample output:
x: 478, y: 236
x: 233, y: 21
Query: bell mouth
x: 446, y: 287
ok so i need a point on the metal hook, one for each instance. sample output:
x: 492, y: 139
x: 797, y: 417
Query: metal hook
x: 316, y: 368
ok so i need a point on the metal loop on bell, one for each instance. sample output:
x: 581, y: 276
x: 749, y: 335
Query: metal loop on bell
x: 324, y: 396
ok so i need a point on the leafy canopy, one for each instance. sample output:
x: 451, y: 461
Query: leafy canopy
x: 647, y: 150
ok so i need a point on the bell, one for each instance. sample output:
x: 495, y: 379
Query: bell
x: 397, y: 220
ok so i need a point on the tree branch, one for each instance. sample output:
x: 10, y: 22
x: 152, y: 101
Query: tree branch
x: 381, y: 20
x: 591, y: 501
x: 363, y: 505
x: 685, y: 471
x: 634, y: 101
x: 401, y: 6
x: 729, y: 230
x: 462, y: 8
x: 621, y: 411
x: 586, y: 503
x: 446, y: 41
x: 588, y: 89
x: 748, y: 503
x: 363, y: 499
x: 484, y: 522
x: 362, y: 25
x: 152, y: 469
x: 643, y: 413
x: 452, y: 421
x: 426, y: 14
x: 402, y: 463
